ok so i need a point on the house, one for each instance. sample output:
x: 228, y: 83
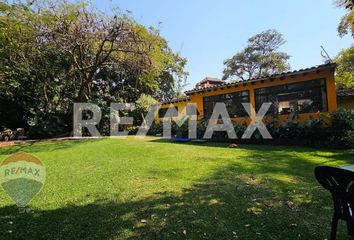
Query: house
x: 345, y: 98
x: 308, y: 92
x: 209, y: 82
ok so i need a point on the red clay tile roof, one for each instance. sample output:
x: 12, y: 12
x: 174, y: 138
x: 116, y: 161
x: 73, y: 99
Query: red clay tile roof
x: 211, y: 79
x: 284, y: 74
x: 345, y: 93
x: 181, y: 99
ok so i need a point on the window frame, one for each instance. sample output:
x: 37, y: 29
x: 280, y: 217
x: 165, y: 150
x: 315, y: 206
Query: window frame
x: 319, y: 84
x: 231, y: 97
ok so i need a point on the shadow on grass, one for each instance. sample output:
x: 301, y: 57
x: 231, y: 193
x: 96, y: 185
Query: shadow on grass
x: 44, y: 146
x: 255, y: 200
x: 205, y: 144
x: 264, y: 148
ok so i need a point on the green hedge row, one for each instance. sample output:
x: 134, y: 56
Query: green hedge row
x: 315, y: 132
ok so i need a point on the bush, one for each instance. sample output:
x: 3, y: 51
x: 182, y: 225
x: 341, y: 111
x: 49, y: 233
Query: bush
x: 342, y: 128
x: 336, y: 130
x: 201, y: 127
x: 156, y: 128
x: 54, y: 125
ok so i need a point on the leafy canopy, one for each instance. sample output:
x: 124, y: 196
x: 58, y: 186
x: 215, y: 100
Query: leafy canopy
x: 54, y: 53
x: 260, y: 57
x: 345, y: 69
x: 346, y: 23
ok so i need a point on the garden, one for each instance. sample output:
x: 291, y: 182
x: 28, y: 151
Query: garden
x: 55, y: 54
x: 150, y: 188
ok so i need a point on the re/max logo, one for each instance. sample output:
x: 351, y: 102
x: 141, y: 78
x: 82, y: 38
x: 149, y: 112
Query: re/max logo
x: 21, y: 170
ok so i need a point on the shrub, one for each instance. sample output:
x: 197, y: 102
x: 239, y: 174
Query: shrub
x: 54, y: 125
x: 201, y: 127
x: 181, y: 131
x: 336, y: 130
x: 342, y: 128
x: 156, y: 128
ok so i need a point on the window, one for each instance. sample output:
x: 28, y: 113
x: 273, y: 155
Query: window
x: 304, y: 97
x: 163, y: 111
x: 233, y: 102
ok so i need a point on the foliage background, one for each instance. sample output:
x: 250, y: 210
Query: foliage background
x: 55, y: 53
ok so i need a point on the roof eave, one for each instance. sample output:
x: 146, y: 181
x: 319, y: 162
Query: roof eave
x: 280, y: 75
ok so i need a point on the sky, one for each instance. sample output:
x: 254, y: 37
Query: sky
x: 207, y: 32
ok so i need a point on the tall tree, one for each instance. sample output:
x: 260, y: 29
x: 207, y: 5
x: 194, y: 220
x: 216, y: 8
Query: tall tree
x: 345, y: 69
x: 173, y: 79
x: 346, y: 24
x: 53, y: 53
x: 260, y: 57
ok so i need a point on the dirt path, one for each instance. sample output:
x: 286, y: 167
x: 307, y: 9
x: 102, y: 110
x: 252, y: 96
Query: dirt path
x: 17, y: 142
x: 5, y: 144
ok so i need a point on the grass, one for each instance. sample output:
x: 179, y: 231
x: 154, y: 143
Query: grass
x: 154, y: 189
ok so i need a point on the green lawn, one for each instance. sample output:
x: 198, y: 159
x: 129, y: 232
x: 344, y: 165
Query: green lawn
x: 103, y: 189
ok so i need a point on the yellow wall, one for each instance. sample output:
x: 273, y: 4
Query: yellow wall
x: 326, y: 74
x: 180, y: 105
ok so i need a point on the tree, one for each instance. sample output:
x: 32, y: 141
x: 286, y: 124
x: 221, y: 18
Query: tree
x: 346, y: 24
x: 260, y: 57
x: 55, y: 53
x: 173, y: 79
x: 345, y: 69
x: 143, y: 105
